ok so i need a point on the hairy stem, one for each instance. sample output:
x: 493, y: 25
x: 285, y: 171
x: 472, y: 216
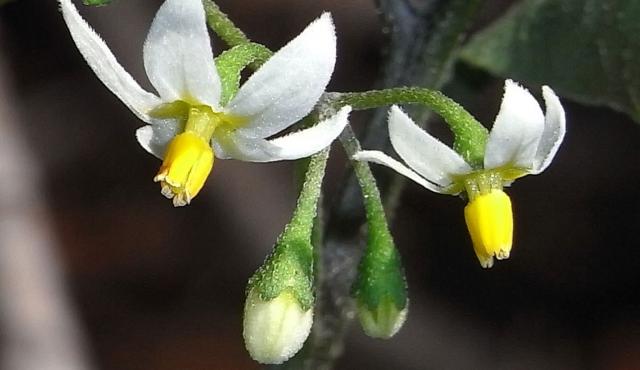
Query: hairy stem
x: 423, y: 44
x: 470, y: 135
x: 222, y: 25
x: 422, y: 48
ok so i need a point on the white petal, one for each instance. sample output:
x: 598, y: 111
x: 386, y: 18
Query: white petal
x: 234, y: 145
x: 554, y: 130
x: 383, y: 159
x: 105, y: 66
x: 155, y: 137
x: 516, y: 131
x: 312, y: 140
x: 293, y: 146
x: 288, y: 85
x: 422, y: 152
x: 178, y: 56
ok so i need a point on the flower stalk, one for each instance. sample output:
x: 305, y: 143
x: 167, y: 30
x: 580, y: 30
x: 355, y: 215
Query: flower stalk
x: 380, y: 288
x: 280, y: 295
x: 220, y: 23
x: 470, y: 136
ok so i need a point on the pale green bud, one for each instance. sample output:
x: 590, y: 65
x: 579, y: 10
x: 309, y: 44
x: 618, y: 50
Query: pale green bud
x: 384, y: 321
x: 276, y: 329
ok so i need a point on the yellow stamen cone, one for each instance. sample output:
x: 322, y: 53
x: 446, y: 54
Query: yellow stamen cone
x: 490, y: 222
x: 186, y: 166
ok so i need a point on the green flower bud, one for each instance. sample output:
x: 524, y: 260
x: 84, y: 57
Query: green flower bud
x: 381, y: 291
x: 380, y: 288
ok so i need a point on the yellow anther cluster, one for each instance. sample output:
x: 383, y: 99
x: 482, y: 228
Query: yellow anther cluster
x: 490, y: 222
x: 186, y: 166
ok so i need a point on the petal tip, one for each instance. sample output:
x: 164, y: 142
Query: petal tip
x: 548, y: 93
x: 342, y: 113
x: 395, y: 109
x: 357, y: 156
x: 512, y: 87
x: 294, y: 77
x: 326, y: 19
x: 396, y: 113
x: 144, y: 135
x: 323, y: 25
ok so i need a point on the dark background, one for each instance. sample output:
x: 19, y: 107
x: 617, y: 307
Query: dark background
x: 161, y: 288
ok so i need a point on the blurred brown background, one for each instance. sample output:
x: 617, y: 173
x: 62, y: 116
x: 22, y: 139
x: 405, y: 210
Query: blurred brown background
x: 153, y: 287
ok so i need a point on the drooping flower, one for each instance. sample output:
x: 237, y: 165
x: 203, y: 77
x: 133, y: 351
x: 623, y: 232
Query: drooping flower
x: 523, y: 141
x: 187, y: 125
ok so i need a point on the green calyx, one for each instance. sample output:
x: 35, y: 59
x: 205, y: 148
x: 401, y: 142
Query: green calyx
x: 484, y: 181
x: 380, y: 274
x: 380, y: 288
x: 290, y: 266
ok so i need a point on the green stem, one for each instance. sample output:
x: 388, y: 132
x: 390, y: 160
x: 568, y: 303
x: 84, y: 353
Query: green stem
x: 290, y: 265
x: 222, y: 25
x: 231, y: 63
x: 470, y: 135
x: 85, y: 2
x: 370, y: 193
x: 306, y: 208
x: 380, y: 271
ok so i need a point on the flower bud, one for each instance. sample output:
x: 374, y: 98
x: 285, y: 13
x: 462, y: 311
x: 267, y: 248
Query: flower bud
x: 276, y: 329
x: 380, y: 288
x: 278, y: 312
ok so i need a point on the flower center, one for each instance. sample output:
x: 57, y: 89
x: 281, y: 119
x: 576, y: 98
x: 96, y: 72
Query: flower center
x: 186, y: 166
x: 189, y: 157
x: 481, y: 182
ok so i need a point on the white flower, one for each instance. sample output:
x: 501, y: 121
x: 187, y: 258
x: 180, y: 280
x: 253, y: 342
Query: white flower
x: 275, y: 330
x: 522, y: 141
x: 185, y: 120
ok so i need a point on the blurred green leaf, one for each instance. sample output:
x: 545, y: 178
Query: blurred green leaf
x: 96, y: 2
x: 588, y: 50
